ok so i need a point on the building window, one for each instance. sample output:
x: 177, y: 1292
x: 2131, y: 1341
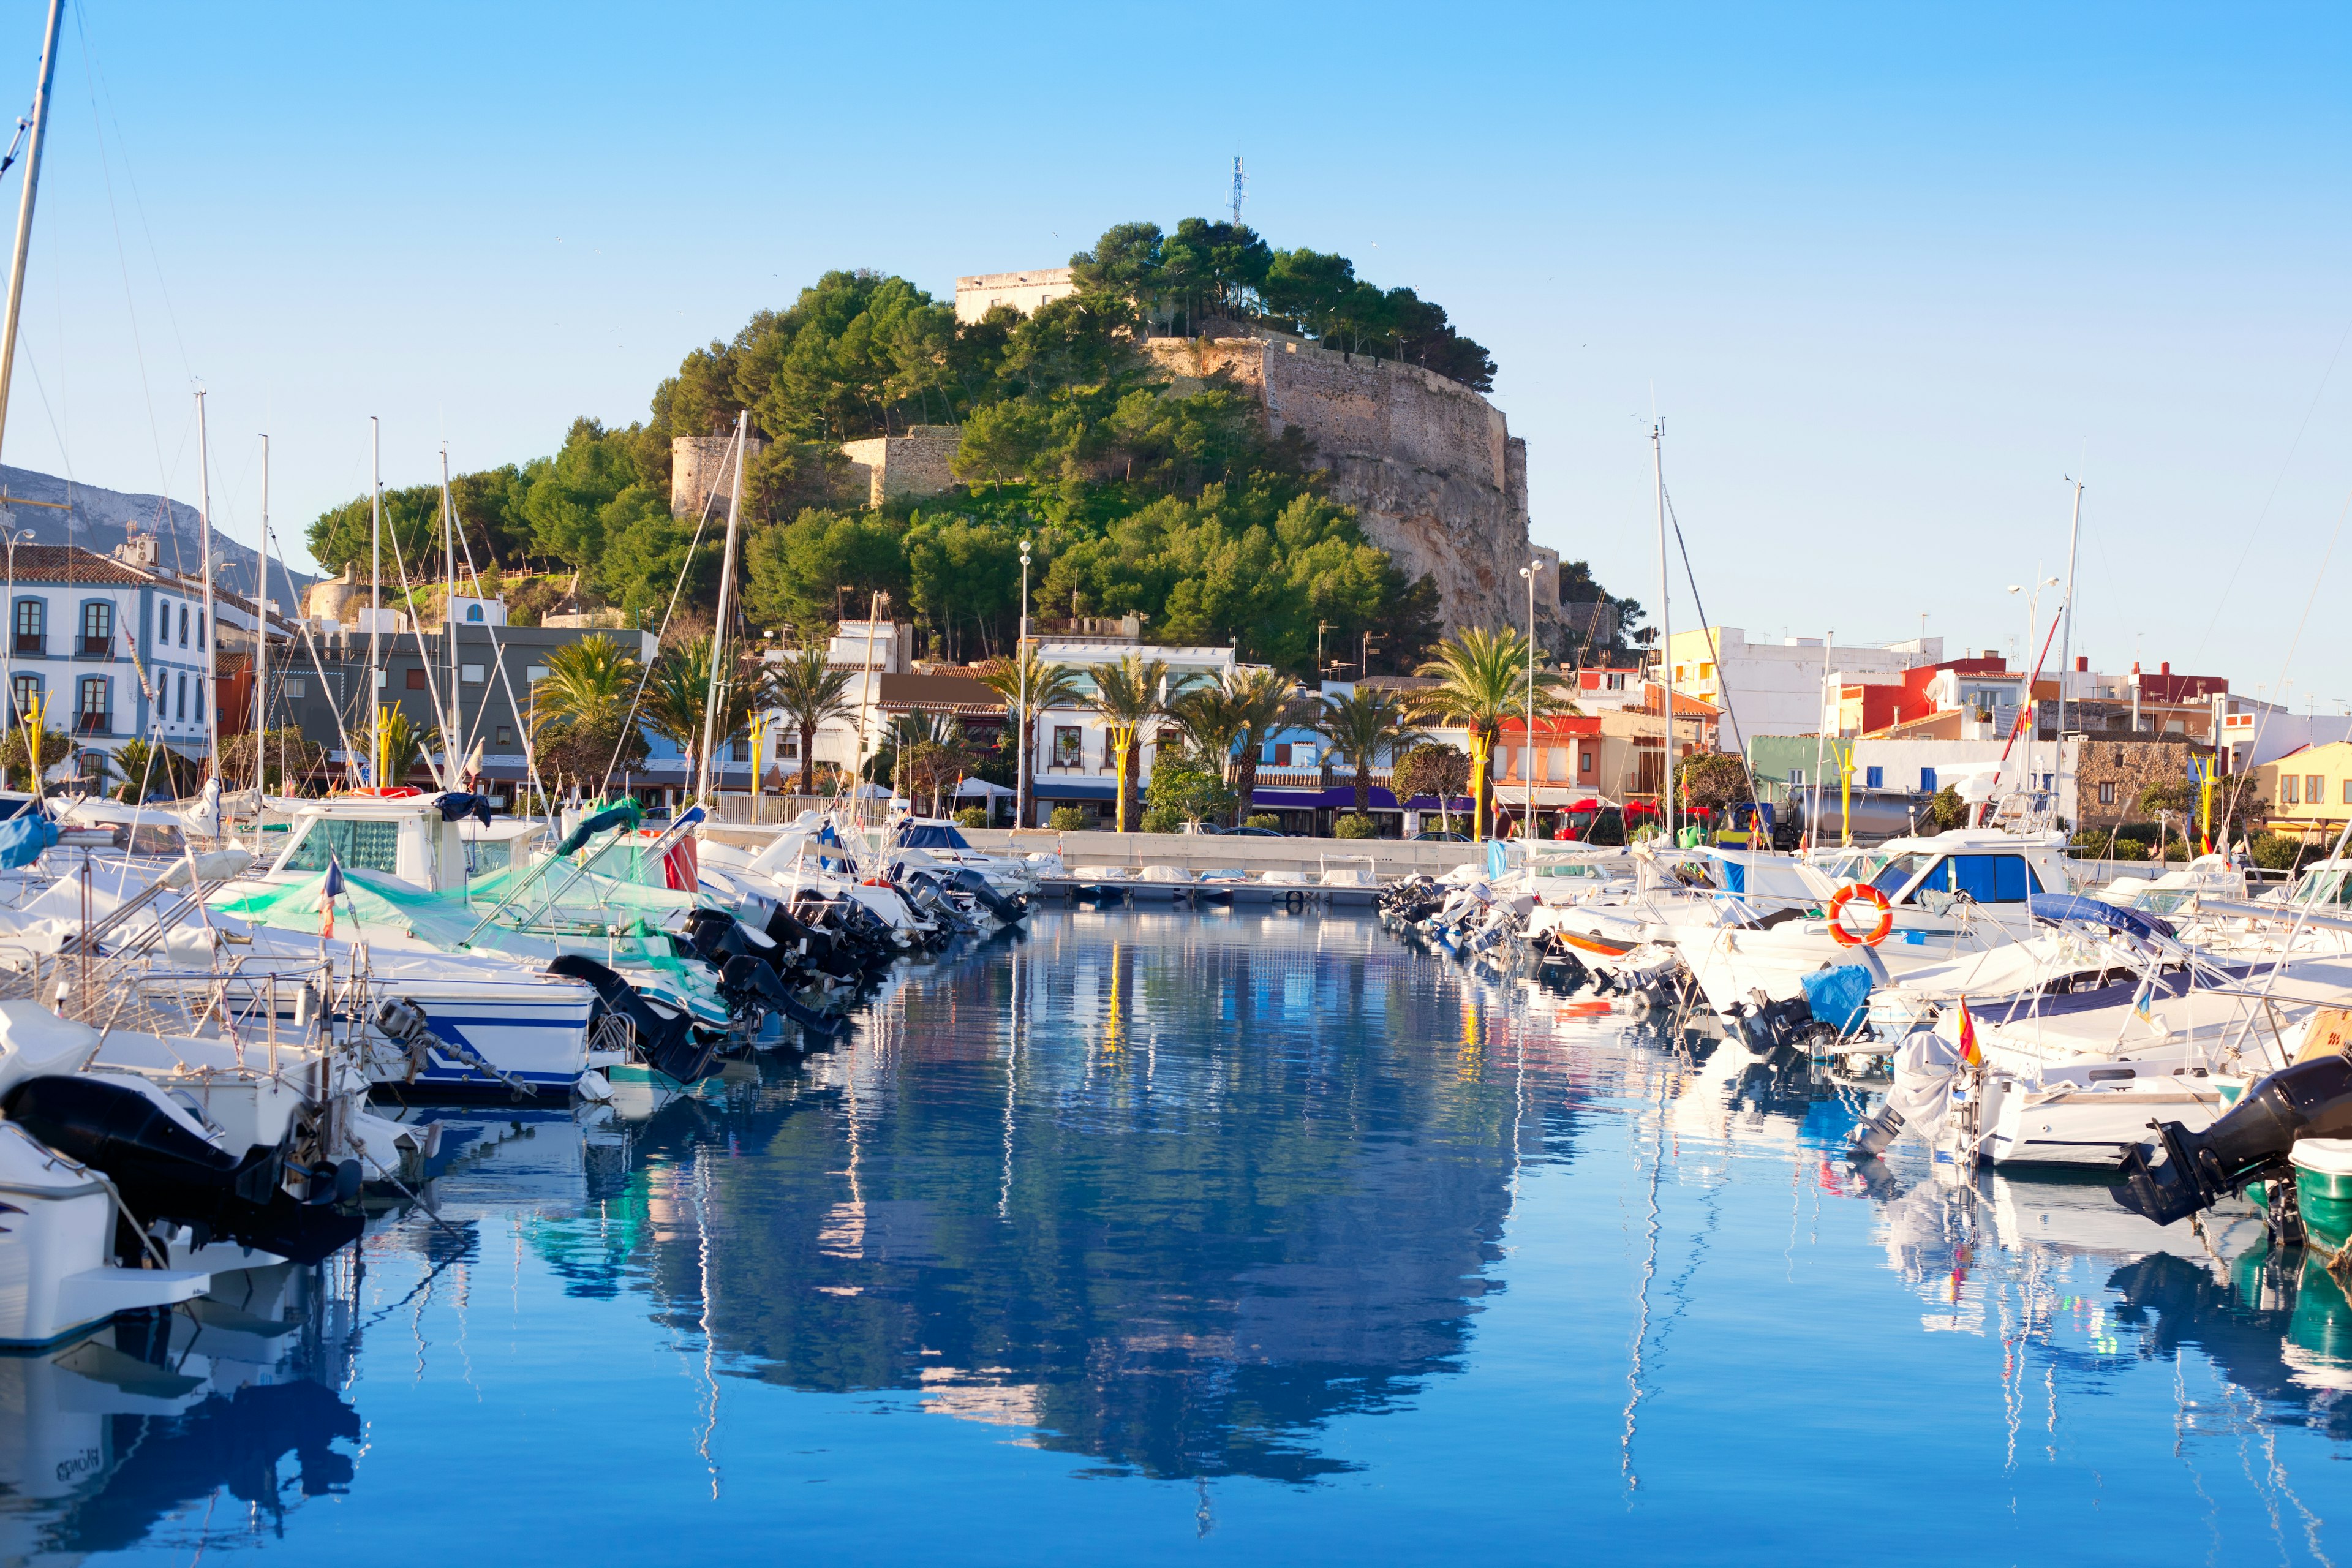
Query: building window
x: 473, y: 611
x: 1282, y: 753
x: 2347, y: 792
x: 1927, y: 781
x: 416, y: 680
x: 183, y: 713
x: 196, y: 689
x: 472, y: 672
x: 297, y: 685
x: 2107, y: 793
x: 1583, y: 762
x: 506, y: 736
x: 97, y: 629
x: 200, y: 630
x: 1796, y: 777
x: 1070, y: 747
x: 2289, y: 790
x: 1873, y: 778
x: 536, y: 672
x: 163, y: 622
x: 96, y: 716
x: 27, y: 691
x: 32, y: 616
x: 183, y: 625
x: 2315, y: 789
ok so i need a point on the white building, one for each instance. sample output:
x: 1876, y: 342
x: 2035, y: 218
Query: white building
x: 1778, y: 687
x: 1024, y: 291
x: 111, y: 653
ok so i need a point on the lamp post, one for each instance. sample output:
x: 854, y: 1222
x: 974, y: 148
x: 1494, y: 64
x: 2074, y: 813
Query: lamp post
x: 1320, y: 627
x: 1528, y: 828
x: 14, y: 537
x: 1020, y: 680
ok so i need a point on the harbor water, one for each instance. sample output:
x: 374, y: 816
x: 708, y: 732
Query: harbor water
x: 1238, y: 1235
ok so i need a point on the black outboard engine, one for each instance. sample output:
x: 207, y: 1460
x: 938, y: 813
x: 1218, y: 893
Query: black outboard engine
x: 1008, y: 909
x: 664, y: 1038
x: 2182, y: 1171
x: 1768, y: 1026
x: 166, y: 1173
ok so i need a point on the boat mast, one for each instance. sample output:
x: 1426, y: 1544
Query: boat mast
x: 1665, y: 619
x: 25, y: 214
x: 209, y: 638
x: 452, y: 745
x: 376, y: 595
x: 2066, y: 651
x: 262, y: 636
x: 718, y: 627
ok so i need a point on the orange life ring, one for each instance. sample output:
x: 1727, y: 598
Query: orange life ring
x: 1846, y: 895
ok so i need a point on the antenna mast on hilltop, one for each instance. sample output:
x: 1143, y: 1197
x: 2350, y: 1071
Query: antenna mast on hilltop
x: 1240, y: 180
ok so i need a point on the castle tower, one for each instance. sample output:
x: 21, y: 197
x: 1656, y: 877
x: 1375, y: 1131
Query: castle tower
x: 704, y: 466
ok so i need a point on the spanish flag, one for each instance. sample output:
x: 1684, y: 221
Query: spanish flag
x: 1969, y: 1052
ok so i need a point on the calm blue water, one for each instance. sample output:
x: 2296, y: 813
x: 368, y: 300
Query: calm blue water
x: 1222, y: 1238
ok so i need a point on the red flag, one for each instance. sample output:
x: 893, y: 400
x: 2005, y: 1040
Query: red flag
x: 1969, y: 1052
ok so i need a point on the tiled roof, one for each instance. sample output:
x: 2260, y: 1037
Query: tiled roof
x: 72, y: 564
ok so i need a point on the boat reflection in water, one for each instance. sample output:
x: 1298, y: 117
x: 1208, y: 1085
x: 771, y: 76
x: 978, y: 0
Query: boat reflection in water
x: 1183, y: 1197
x: 1044, y: 1190
x: 138, y: 1430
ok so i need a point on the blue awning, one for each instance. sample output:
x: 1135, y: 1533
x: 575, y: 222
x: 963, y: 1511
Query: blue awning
x: 1074, y: 789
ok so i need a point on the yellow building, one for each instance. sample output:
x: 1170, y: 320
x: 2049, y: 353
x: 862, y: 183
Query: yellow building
x: 2309, y: 791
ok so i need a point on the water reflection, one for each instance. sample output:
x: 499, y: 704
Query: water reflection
x: 140, y: 1430
x: 1175, y: 1194
x: 1170, y: 1200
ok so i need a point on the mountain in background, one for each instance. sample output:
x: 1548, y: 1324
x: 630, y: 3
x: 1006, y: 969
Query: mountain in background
x: 100, y: 519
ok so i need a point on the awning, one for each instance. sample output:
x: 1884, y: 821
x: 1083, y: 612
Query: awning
x: 979, y: 789
x: 1074, y: 789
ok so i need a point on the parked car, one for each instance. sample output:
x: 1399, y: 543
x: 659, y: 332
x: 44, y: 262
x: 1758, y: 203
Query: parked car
x: 1253, y: 833
x: 1435, y: 838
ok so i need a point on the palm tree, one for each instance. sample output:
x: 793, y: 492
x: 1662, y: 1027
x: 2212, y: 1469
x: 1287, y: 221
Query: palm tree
x: 1210, y: 723
x: 1262, y: 699
x: 584, y: 681
x: 810, y: 694
x: 1129, y: 695
x: 1483, y: 680
x: 1048, y: 686
x: 677, y: 693
x: 1361, y: 725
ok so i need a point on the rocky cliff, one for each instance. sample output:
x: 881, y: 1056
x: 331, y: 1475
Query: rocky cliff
x: 1431, y: 469
x: 100, y: 519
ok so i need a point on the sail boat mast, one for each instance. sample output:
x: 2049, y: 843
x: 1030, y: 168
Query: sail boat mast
x: 208, y: 633
x: 1665, y: 620
x: 2066, y: 651
x: 262, y: 636
x: 452, y: 744
x: 24, y: 211
x: 375, y: 594
x: 719, y: 627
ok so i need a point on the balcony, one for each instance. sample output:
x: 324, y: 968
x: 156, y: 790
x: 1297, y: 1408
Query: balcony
x: 97, y: 648
x: 93, y: 724
x: 32, y: 643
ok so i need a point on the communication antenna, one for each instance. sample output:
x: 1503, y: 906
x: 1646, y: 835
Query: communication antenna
x: 1240, y: 180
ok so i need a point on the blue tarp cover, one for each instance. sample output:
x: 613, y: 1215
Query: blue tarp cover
x: 1838, y: 997
x: 930, y: 836
x: 2057, y: 909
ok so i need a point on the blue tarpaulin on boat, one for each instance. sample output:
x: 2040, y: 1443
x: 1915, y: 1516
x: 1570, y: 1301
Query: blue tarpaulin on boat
x: 930, y: 836
x: 1838, y: 997
x: 23, y: 837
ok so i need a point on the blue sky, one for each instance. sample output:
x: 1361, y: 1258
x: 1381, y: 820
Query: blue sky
x: 1890, y: 273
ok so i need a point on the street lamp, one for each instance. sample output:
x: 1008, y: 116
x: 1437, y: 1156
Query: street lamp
x: 1320, y: 627
x: 1020, y: 664
x: 1529, y: 572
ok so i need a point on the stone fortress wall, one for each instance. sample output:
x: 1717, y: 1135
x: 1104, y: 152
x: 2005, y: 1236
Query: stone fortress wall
x: 701, y: 466
x: 1024, y: 292
x: 915, y: 464
x: 1435, y: 475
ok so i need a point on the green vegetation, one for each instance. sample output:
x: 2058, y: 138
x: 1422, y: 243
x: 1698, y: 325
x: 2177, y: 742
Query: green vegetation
x: 973, y: 816
x: 1067, y: 819
x: 1264, y: 820
x: 1183, y: 789
x: 1182, y: 508
x: 1354, y: 826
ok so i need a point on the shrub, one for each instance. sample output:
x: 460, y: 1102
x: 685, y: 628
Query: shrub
x: 1163, y: 819
x: 1181, y: 791
x: 2091, y: 844
x: 2281, y: 851
x: 1264, y: 820
x: 1354, y: 826
x: 973, y: 816
x: 1067, y: 819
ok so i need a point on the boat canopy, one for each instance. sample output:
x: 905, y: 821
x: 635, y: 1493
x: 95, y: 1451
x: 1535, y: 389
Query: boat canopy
x: 930, y: 836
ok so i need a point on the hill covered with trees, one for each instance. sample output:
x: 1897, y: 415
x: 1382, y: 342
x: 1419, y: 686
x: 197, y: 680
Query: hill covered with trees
x: 1182, y: 508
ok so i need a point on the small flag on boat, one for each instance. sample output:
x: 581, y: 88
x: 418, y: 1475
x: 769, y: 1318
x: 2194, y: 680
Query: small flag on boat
x: 1969, y: 1052
x: 327, y: 888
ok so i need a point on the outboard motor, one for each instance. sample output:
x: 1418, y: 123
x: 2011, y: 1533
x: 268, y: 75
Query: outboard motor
x: 1007, y: 909
x: 166, y: 1172
x: 2181, y: 1171
x: 1768, y: 1026
x: 664, y: 1038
